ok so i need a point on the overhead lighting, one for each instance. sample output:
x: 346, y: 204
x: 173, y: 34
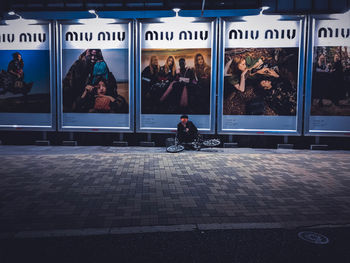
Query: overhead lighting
x: 12, y: 13
x: 263, y: 8
x: 176, y: 10
x: 92, y: 11
x: 20, y: 20
x: 97, y: 21
x: 258, y: 18
x: 177, y: 19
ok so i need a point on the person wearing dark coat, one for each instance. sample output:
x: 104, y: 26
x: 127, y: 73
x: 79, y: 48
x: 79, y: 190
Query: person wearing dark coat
x: 337, y: 79
x: 12, y: 80
x: 186, y: 130
x: 15, y: 66
x: 149, y: 90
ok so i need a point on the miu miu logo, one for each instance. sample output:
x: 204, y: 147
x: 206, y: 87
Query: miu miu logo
x: 23, y: 37
x: 337, y: 32
x: 101, y: 36
x: 183, y: 35
x: 268, y: 34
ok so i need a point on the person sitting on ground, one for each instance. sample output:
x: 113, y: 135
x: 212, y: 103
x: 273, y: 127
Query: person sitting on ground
x: 186, y: 130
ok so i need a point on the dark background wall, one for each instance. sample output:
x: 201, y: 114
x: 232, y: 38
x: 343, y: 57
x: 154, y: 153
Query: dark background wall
x: 278, y: 6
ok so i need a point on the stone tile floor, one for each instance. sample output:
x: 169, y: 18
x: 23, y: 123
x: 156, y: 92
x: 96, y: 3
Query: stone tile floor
x: 57, y: 188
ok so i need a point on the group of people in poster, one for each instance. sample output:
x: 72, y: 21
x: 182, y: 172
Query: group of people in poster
x: 257, y: 81
x: 90, y: 87
x: 260, y: 81
x: 172, y: 89
x: 331, y: 81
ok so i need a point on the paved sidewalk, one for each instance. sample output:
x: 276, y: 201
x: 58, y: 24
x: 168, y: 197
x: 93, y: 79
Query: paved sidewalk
x: 214, y: 246
x: 58, y: 188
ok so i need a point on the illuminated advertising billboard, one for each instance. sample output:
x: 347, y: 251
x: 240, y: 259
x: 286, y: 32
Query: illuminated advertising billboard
x: 327, y: 100
x: 176, y: 73
x: 260, y: 87
x: 26, y: 79
x: 96, y: 75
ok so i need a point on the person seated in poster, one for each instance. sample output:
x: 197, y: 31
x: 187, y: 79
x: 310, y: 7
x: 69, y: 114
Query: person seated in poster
x: 346, y: 59
x: 321, y: 81
x: 202, y: 79
x: 279, y: 95
x: 99, y: 71
x: 85, y: 72
x: 346, y: 63
x: 337, y: 79
x: 12, y: 80
x: 179, y: 96
x: 239, y: 90
x: 166, y: 78
x: 98, y: 99
x: 149, y: 78
x: 15, y: 66
x: 279, y: 91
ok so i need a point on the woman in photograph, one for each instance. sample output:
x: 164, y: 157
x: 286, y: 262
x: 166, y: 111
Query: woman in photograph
x: 12, y: 80
x: 150, y: 74
x: 235, y: 73
x: 201, y: 70
x: 149, y: 87
x: 279, y: 95
x: 166, y: 80
x: 100, y: 69
x: 236, y: 91
x: 321, y: 81
x: 337, y: 79
x: 149, y: 78
x: 15, y: 67
x: 168, y: 71
x: 202, y: 77
x: 346, y: 63
x: 99, y: 99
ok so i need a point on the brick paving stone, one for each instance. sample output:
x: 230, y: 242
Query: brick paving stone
x: 45, y: 188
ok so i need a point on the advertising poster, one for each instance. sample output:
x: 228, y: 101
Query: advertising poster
x: 260, y: 76
x: 95, y: 73
x: 25, y: 76
x: 329, y: 103
x: 176, y: 74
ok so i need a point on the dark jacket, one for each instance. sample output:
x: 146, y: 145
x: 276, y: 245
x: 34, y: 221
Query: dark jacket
x: 186, y: 136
